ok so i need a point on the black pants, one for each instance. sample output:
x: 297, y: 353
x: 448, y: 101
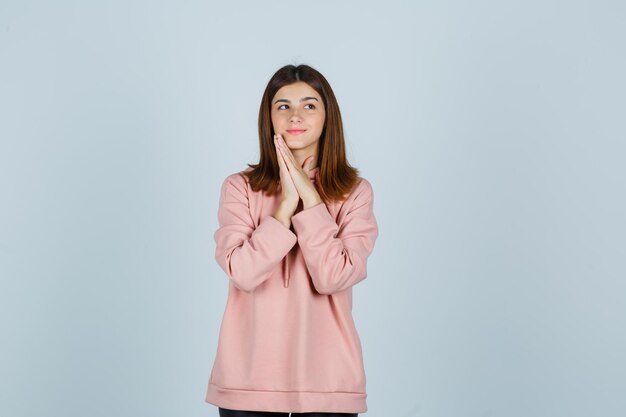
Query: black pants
x: 224, y: 412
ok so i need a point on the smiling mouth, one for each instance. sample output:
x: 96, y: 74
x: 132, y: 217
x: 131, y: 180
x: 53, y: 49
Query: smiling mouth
x: 295, y: 131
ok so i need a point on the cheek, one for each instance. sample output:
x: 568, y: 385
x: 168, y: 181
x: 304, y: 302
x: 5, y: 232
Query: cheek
x: 320, y: 121
x: 278, y: 118
x: 275, y: 124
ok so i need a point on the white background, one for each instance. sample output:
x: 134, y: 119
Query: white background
x: 493, y: 135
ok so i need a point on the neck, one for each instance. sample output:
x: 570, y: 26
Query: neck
x: 302, y: 154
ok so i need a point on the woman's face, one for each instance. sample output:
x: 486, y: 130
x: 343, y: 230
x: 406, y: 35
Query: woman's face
x: 296, y: 107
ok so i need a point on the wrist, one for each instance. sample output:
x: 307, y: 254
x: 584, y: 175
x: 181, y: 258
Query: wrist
x: 311, y: 201
x: 283, y: 214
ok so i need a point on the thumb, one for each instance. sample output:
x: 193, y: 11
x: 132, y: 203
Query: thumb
x: 308, y: 162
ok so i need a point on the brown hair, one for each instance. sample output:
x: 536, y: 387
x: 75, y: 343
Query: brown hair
x: 336, y: 177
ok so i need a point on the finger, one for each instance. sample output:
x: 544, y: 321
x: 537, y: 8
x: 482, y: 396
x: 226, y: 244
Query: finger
x: 284, y: 168
x: 308, y: 162
x: 286, y: 150
x: 286, y: 179
x: 279, y: 156
x: 286, y: 159
x: 290, y: 160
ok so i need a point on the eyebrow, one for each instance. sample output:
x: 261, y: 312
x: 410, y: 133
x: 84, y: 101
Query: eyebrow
x: 302, y: 99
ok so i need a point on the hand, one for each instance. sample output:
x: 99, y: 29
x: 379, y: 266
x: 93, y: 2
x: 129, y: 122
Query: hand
x: 289, y: 192
x: 299, y: 175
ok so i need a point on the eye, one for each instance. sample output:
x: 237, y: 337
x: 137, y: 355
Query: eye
x: 282, y: 105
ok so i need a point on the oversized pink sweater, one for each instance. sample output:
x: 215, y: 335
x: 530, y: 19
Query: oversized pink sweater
x: 288, y: 341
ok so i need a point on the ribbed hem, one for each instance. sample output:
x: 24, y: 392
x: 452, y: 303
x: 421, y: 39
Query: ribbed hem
x: 287, y: 401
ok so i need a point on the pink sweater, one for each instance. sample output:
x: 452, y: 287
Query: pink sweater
x: 288, y: 341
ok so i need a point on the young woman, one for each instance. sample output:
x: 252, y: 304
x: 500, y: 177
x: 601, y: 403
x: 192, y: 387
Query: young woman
x: 295, y: 232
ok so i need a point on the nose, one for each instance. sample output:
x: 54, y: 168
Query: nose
x: 295, y: 116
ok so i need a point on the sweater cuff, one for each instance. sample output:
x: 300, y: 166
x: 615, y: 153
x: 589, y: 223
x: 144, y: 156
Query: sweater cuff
x: 282, y: 238
x: 312, y: 219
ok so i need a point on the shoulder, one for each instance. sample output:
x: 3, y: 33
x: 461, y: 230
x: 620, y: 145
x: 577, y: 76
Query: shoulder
x: 362, y: 194
x: 235, y: 181
x: 238, y: 176
x: 362, y: 189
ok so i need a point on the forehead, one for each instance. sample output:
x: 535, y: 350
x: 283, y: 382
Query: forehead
x: 296, y: 91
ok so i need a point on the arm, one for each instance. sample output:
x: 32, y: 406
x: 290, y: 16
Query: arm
x: 336, y: 256
x: 247, y: 254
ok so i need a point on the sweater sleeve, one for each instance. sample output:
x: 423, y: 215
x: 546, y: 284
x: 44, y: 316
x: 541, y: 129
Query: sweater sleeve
x: 247, y: 254
x: 336, y: 255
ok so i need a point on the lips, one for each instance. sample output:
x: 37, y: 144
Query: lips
x: 296, y: 131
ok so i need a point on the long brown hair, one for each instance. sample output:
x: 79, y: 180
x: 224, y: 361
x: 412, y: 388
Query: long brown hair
x: 336, y: 176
